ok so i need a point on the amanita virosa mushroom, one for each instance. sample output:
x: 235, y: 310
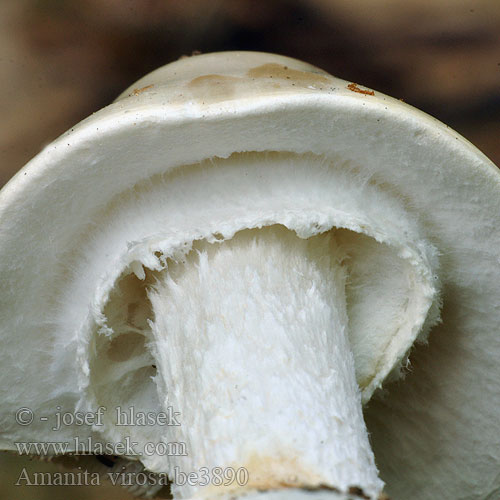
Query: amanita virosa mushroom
x: 250, y: 249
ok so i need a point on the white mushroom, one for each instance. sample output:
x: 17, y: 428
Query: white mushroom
x: 249, y: 247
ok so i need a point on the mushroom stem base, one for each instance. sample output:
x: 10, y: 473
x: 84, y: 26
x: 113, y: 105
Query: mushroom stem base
x: 250, y: 340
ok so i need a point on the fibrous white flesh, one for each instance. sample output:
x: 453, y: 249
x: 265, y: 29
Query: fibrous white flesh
x: 390, y: 289
x: 250, y: 338
x: 391, y: 293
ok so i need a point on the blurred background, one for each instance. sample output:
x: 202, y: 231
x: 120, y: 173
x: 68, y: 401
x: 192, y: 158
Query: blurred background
x: 61, y: 60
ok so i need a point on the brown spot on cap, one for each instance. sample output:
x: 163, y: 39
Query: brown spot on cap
x: 140, y: 91
x: 354, y: 87
x: 273, y: 70
x: 214, y: 87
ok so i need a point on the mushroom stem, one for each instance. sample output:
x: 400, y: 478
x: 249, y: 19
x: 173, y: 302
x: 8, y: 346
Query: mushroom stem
x: 250, y: 338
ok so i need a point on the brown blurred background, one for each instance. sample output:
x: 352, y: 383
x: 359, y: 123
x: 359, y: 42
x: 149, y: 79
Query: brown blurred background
x: 60, y: 60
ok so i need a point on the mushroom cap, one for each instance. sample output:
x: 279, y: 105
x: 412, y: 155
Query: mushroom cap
x: 435, y: 434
